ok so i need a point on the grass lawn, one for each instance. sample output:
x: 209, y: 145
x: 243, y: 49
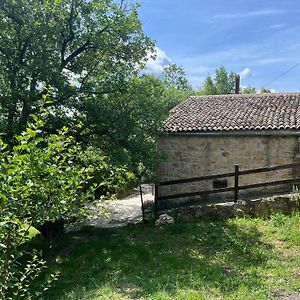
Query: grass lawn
x: 232, y: 259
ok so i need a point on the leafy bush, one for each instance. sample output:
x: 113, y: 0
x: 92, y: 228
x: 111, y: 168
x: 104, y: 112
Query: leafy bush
x: 107, y: 177
x: 19, y: 268
x: 39, y: 183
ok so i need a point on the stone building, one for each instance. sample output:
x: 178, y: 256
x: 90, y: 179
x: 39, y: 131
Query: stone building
x: 211, y: 134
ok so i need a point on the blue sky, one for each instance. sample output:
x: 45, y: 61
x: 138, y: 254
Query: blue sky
x: 259, y: 39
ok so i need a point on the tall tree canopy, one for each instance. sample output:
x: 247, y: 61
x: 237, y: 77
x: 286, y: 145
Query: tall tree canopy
x: 223, y: 83
x: 174, y: 76
x: 88, y: 55
x: 249, y: 90
x: 81, y: 48
x: 126, y: 123
x: 208, y: 87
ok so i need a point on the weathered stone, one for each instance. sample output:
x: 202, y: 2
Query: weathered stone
x: 239, y: 212
x: 216, y: 211
x: 192, y: 156
x: 263, y: 207
x: 244, y: 206
x: 164, y: 219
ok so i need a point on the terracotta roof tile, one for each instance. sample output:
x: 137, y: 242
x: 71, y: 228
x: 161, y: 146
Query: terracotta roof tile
x: 236, y: 113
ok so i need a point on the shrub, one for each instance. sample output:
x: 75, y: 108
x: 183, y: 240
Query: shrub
x: 108, y: 178
x: 39, y: 183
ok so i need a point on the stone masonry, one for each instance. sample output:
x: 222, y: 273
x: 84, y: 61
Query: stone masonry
x: 199, y: 155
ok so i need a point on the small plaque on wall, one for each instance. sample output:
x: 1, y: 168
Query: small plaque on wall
x: 220, y: 184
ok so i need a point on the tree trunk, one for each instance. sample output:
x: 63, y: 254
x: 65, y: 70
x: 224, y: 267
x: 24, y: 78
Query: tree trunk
x: 10, y: 125
x: 25, y: 113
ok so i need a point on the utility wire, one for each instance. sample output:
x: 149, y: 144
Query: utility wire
x: 281, y: 75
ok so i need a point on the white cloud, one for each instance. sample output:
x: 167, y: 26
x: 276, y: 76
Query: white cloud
x: 267, y: 12
x: 256, y: 13
x: 227, y: 16
x: 156, y: 65
x: 245, y: 73
x: 267, y: 61
x: 277, y: 26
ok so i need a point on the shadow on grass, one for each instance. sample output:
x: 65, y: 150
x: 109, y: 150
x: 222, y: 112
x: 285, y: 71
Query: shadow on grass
x: 139, y: 261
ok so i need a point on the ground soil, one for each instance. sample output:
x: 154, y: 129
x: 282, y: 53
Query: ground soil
x: 120, y: 212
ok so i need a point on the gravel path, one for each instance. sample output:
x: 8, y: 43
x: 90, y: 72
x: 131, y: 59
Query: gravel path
x: 121, y: 212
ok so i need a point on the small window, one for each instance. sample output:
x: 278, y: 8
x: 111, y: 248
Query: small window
x: 220, y: 183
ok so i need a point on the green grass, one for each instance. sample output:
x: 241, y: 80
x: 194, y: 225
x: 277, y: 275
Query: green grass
x: 233, y: 259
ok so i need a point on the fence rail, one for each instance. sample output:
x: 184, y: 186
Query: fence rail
x: 236, y: 188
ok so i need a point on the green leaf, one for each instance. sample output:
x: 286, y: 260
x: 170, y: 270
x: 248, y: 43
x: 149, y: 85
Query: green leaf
x: 31, y: 132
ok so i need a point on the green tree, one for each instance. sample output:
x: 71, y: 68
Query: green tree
x: 249, y: 90
x: 90, y: 53
x: 78, y: 47
x: 127, y: 122
x: 223, y: 83
x: 208, y: 87
x: 175, y: 76
x: 39, y: 183
x: 176, y: 87
x: 264, y: 90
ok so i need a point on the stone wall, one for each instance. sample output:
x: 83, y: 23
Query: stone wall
x: 192, y: 156
x: 263, y: 207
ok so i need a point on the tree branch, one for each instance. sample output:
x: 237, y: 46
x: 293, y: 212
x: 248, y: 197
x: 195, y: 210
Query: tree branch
x: 8, y: 8
x: 121, y: 4
x: 84, y: 47
x: 23, y: 50
x: 4, y: 52
x: 107, y: 91
x: 92, y: 69
x: 71, y: 34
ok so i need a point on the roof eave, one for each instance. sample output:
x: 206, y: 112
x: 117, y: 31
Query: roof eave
x: 236, y: 133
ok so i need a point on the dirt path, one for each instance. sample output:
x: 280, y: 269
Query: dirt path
x: 121, y: 212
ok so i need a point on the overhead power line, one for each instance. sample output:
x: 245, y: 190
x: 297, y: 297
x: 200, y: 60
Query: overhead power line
x: 282, y: 74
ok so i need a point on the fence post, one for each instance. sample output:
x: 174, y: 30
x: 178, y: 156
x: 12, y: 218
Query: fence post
x: 236, y: 183
x: 155, y: 200
x: 142, y: 202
